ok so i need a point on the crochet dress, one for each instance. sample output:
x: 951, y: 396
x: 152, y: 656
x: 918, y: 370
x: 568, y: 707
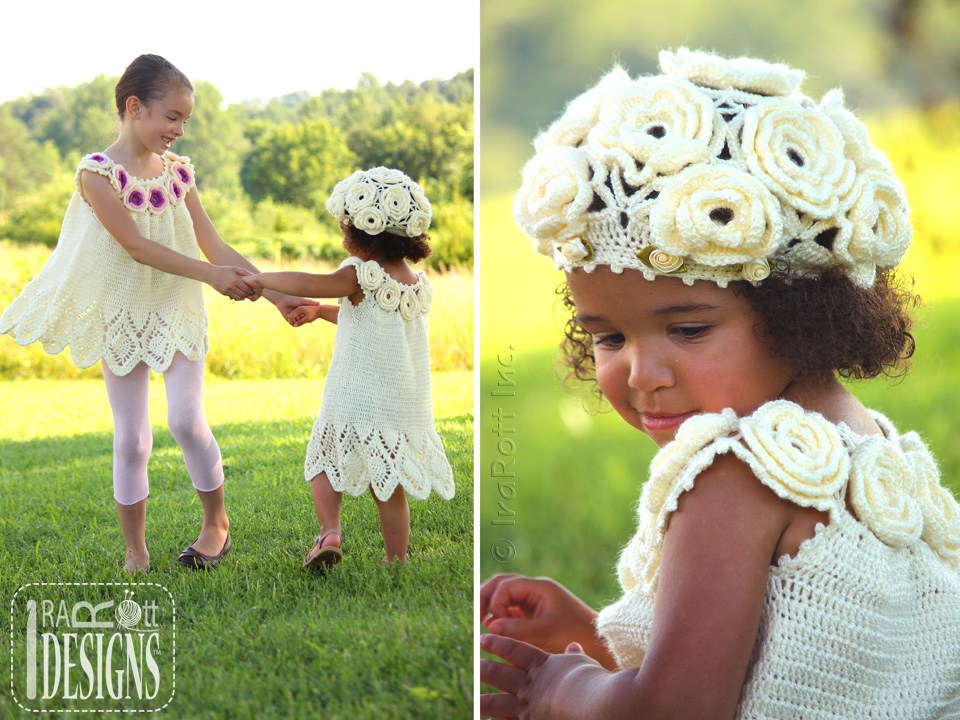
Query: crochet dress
x: 93, y: 297
x: 375, y: 428
x: 864, y: 621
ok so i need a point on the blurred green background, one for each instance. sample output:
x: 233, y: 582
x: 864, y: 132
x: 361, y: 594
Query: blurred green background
x: 558, y: 484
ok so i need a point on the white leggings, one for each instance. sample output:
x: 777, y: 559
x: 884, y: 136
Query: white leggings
x: 133, y: 438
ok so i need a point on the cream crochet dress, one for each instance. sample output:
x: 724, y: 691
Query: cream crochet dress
x: 93, y: 297
x: 375, y: 428
x: 864, y: 622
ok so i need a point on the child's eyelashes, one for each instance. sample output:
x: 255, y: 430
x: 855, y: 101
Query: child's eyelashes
x: 690, y: 332
x: 609, y: 340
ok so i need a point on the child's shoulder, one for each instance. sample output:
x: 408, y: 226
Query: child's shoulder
x: 410, y: 299
x: 890, y: 481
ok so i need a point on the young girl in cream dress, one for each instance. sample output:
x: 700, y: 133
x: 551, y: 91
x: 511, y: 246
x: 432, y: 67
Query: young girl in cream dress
x: 728, y: 245
x: 375, y: 430
x: 123, y: 287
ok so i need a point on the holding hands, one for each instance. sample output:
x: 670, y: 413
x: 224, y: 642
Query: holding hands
x: 229, y: 281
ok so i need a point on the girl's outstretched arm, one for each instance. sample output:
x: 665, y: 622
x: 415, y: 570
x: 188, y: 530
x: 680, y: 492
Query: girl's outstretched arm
x: 338, y: 284
x: 216, y: 249
x: 225, y: 279
x: 716, y: 557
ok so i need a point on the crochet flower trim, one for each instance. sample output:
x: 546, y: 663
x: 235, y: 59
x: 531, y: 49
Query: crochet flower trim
x: 893, y: 482
x: 719, y: 169
x: 381, y: 200
x: 409, y: 300
x: 152, y: 195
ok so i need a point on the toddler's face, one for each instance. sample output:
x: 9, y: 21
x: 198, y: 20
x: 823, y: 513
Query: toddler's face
x: 666, y: 351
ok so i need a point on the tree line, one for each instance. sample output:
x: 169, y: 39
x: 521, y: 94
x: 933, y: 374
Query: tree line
x: 265, y: 170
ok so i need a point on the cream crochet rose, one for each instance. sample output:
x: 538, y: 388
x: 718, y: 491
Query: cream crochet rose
x: 381, y: 200
x: 719, y: 169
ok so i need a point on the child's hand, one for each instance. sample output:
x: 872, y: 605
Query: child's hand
x: 286, y: 304
x: 231, y: 281
x: 536, y: 684
x: 303, y: 315
x: 539, y: 611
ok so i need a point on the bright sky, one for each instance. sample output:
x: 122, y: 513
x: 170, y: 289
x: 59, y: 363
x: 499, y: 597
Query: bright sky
x: 247, y: 50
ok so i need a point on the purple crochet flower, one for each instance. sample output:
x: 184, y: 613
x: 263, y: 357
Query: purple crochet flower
x: 122, y: 178
x: 184, y: 174
x: 158, y: 200
x: 176, y: 190
x: 98, y: 158
x: 136, y: 199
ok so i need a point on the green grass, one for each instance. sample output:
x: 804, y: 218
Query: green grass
x: 578, y: 475
x: 257, y: 637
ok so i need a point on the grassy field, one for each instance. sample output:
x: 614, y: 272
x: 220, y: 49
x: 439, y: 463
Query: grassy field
x: 570, y: 506
x: 257, y: 637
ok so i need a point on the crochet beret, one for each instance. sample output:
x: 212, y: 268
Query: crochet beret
x: 381, y: 200
x: 718, y: 169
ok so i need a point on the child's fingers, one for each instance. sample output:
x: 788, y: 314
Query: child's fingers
x: 500, y: 706
x: 488, y: 589
x: 517, y: 653
x: 503, y: 677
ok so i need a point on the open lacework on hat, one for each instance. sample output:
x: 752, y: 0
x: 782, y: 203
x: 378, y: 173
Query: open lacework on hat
x: 718, y: 169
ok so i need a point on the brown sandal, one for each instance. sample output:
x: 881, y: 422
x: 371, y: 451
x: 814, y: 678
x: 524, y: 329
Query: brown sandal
x: 321, y: 558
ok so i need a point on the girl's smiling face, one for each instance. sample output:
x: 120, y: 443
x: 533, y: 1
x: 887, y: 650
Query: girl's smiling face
x: 665, y: 351
x: 162, y: 120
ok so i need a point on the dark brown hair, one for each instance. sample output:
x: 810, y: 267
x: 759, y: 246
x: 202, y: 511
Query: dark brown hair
x: 388, y: 246
x: 826, y: 323
x: 148, y: 77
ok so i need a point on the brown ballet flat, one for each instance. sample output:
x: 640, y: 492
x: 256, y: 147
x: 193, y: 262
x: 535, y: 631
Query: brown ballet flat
x: 198, y: 561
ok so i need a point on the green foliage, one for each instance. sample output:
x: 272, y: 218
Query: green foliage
x: 264, y: 171
x: 37, y: 215
x: 25, y: 164
x: 297, y: 163
x: 214, y: 141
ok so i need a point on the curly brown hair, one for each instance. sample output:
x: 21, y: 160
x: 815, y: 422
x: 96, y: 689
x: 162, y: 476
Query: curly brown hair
x: 388, y: 246
x: 825, y: 323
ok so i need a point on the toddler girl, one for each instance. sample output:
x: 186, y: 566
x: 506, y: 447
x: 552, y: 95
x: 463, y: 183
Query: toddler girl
x: 375, y: 429
x: 123, y: 286
x: 728, y: 245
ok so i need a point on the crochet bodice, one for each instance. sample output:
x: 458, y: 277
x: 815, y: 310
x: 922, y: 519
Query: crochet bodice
x: 864, y: 621
x: 96, y: 299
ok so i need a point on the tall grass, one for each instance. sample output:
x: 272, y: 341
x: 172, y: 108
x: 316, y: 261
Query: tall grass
x: 250, y: 340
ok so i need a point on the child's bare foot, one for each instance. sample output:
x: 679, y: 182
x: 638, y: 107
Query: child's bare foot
x: 134, y: 562
x: 395, y: 560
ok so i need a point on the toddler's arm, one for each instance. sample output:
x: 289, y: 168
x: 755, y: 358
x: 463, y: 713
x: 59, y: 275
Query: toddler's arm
x: 714, y: 565
x: 338, y: 284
